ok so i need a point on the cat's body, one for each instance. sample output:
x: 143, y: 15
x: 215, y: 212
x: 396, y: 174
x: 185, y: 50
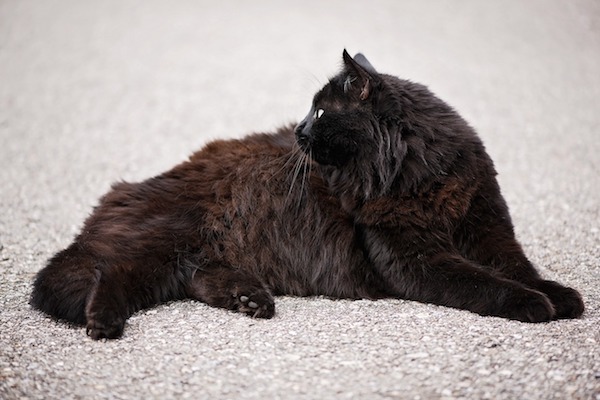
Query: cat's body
x: 401, y: 200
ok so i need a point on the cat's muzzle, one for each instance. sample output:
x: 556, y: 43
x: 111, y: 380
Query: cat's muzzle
x: 302, y: 133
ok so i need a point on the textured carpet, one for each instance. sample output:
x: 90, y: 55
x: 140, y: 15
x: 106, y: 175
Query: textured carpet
x: 96, y: 91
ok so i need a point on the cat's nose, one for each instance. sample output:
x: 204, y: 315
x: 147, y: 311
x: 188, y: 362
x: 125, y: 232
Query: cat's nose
x: 301, y: 132
x: 302, y: 135
x: 299, y: 127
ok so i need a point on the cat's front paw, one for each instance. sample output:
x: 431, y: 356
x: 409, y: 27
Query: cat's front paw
x: 566, y: 301
x: 259, y: 304
x: 528, y: 306
x: 104, y: 326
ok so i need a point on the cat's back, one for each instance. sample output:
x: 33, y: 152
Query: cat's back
x: 232, y: 152
x: 212, y: 172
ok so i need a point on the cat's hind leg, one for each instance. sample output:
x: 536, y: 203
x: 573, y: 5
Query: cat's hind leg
x: 106, y: 310
x: 124, y: 287
x: 62, y: 288
x: 233, y: 289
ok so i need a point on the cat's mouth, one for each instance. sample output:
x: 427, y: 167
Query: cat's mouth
x: 302, y: 136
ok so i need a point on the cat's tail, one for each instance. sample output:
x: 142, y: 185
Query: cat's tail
x: 62, y: 287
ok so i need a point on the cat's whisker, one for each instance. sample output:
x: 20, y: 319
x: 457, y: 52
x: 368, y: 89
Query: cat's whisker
x: 292, y: 157
x: 303, y: 163
x: 310, y: 165
x: 304, y: 171
x: 288, y: 159
x: 295, y: 173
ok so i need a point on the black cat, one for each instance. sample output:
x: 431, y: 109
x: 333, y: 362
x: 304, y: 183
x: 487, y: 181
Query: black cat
x: 383, y: 190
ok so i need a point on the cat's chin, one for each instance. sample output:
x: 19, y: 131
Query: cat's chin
x: 305, y: 148
x: 303, y: 142
x: 319, y: 157
x: 335, y: 158
x: 330, y: 163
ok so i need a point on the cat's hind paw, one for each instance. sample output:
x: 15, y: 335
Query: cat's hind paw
x: 257, y: 305
x: 104, y: 328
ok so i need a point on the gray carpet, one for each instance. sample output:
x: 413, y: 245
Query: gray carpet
x: 96, y: 91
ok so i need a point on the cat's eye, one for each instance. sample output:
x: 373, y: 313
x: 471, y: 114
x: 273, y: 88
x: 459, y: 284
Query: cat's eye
x: 318, y: 113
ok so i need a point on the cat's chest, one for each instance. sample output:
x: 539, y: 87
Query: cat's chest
x: 442, y: 206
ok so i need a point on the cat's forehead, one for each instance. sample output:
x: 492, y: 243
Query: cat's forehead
x: 332, y: 94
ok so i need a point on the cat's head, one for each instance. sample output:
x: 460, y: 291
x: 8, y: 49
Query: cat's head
x: 345, y: 127
x: 341, y: 113
x: 371, y: 132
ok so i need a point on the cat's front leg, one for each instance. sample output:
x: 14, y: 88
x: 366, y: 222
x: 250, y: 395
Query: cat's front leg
x: 431, y: 271
x: 233, y: 289
x: 567, y: 301
x: 486, y: 236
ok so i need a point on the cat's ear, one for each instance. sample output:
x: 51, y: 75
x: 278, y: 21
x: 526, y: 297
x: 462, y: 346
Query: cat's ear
x: 360, y: 73
x: 365, y: 64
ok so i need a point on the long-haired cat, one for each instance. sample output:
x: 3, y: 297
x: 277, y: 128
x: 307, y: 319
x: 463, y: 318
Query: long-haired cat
x: 383, y: 190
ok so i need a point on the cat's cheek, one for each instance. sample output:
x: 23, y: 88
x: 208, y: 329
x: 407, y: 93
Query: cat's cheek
x: 331, y: 157
x: 337, y: 153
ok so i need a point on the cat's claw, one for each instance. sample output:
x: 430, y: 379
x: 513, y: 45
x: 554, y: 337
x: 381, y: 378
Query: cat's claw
x: 257, y: 305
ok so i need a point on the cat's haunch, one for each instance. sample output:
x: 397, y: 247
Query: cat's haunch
x: 383, y: 190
